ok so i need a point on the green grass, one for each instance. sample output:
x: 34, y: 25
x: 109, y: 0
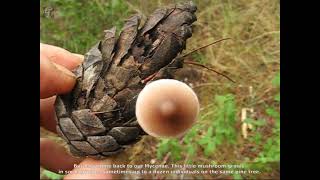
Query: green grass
x: 76, y: 24
x: 50, y: 175
x: 217, y: 132
x: 251, y: 58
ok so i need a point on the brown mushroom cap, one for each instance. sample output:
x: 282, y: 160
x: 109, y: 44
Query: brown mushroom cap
x: 166, y: 108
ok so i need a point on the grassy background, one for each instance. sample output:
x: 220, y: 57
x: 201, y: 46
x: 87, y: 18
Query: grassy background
x: 251, y: 58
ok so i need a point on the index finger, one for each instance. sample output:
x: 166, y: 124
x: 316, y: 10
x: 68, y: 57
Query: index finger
x: 54, y: 78
x: 61, y: 56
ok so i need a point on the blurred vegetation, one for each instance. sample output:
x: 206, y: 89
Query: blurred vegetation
x: 50, y: 175
x: 251, y: 58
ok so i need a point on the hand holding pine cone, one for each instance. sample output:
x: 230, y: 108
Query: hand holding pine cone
x: 97, y: 118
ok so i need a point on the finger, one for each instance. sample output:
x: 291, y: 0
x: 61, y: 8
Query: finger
x: 54, y: 78
x: 88, y: 166
x: 47, y: 114
x: 54, y: 157
x: 61, y: 56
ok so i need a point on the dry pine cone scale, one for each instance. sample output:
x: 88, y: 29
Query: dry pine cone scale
x: 97, y: 118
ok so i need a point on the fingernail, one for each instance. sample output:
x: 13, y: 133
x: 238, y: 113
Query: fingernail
x: 80, y: 57
x: 64, y: 70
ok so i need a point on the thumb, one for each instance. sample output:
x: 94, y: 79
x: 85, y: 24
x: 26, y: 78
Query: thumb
x: 54, y: 78
x: 86, y: 170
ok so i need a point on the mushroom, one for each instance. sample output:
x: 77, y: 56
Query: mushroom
x: 167, y: 108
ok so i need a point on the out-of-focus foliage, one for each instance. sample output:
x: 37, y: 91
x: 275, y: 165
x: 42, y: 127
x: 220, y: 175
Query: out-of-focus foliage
x: 51, y: 175
x: 221, y: 129
x: 271, y: 148
x: 217, y: 127
x: 77, y: 25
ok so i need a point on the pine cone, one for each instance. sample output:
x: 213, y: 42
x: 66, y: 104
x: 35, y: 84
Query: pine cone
x: 97, y: 118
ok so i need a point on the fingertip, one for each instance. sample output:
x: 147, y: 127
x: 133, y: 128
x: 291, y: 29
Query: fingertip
x: 54, y: 79
x: 64, y: 70
x: 47, y: 114
x: 61, y: 56
x: 65, y: 80
x: 80, y: 56
x: 54, y: 157
x: 93, y: 173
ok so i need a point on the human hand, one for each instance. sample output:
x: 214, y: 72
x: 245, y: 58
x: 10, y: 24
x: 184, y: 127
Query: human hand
x: 56, y: 78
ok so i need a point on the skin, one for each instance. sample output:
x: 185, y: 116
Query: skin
x: 56, y: 78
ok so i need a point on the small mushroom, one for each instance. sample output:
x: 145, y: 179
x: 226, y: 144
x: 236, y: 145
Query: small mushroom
x: 167, y: 108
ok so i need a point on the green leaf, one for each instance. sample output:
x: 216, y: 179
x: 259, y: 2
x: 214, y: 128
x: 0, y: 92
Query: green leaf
x: 163, y: 147
x: 257, y: 138
x: 52, y: 175
x: 175, y: 149
x: 191, y: 150
x: 211, y: 146
x: 207, y: 138
x: 277, y: 97
x: 237, y: 176
x: 190, y: 135
x: 273, y: 113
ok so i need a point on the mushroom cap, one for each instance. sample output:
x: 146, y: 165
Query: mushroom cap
x: 166, y: 108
